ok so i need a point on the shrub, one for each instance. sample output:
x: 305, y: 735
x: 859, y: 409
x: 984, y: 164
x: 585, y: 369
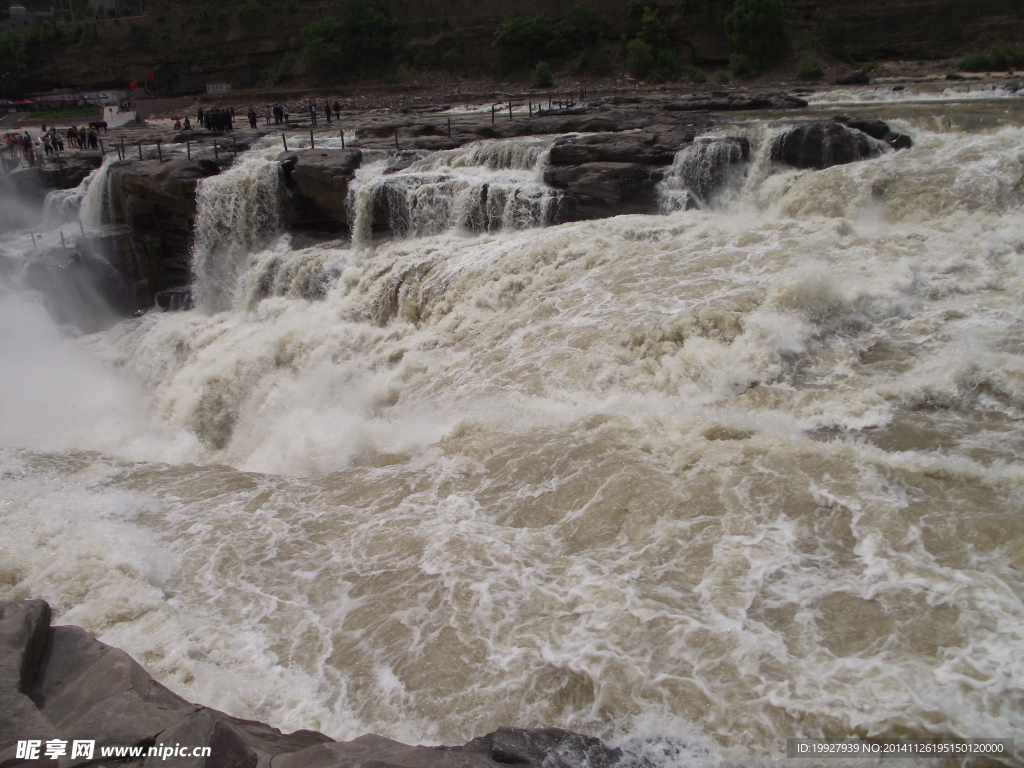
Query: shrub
x: 721, y: 76
x: 639, y: 58
x: 210, y: 17
x: 522, y: 41
x: 832, y: 34
x: 996, y: 60
x: 357, y: 38
x: 696, y: 74
x: 251, y: 15
x: 652, y: 30
x: 757, y: 31
x: 452, y: 59
x: 542, y: 77
x: 810, y: 69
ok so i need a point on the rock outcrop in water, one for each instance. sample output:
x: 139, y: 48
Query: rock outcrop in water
x: 59, y: 683
x: 844, y: 140
x: 318, y: 181
x: 156, y: 201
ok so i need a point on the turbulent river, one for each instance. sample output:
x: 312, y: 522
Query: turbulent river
x: 693, y: 482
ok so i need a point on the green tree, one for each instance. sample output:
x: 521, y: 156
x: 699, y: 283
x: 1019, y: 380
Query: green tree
x: 757, y: 31
x: 356, y: 38
x: 251, y: 15
x: 652, y: 30
x: 639, y: 58
x: 542, y: 77
x: 12, y: 65
x: 522, y: 41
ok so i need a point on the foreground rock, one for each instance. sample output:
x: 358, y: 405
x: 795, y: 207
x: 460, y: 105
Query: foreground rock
x: 59, y: 684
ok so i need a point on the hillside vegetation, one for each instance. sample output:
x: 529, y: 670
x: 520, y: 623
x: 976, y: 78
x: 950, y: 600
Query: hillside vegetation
x: 299, y: 43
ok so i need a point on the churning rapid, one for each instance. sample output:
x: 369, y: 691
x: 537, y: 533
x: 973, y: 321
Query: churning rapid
x: 695, y: 482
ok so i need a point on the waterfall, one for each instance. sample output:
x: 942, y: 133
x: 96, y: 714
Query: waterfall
x: 484, y: 186
x: 236, y: 212
x: 701, y: 171
x: 96, y: 203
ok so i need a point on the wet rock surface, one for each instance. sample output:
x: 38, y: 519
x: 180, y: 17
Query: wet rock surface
x: 318, y: 183
x: 612, y: 155
x: 59, y: 683
x: 156, y: 201
x: 844, y: 140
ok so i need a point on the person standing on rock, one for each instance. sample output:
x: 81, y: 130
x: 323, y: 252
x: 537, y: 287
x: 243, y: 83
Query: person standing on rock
x: 199, y: 116
x: 252, y: 118
x: 312, y: 113
x: 327, y: 111
x: 284, y: 113
x: 266, y: 113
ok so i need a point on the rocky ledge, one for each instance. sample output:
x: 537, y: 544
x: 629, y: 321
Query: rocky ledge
x: 59, y: 685
x: 607, y: 159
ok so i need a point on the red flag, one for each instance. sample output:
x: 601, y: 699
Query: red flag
x: 149, y: 77
x: 131, y: 85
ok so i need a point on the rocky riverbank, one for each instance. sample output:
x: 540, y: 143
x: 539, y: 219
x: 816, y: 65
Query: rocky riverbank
x: 59, y: 686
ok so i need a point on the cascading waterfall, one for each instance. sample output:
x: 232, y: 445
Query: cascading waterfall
x: 96, y: 202
x: 703, y: 170
x: 695, y: 482
x: 237, y: 212
x: 481, y: 187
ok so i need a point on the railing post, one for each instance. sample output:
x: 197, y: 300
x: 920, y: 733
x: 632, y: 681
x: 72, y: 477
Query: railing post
x: 188, y: 149
x: 312, y: 141
x: 285, y: 140
x: 140, y: 149
x: 159, y: 152
x: 342, y: 132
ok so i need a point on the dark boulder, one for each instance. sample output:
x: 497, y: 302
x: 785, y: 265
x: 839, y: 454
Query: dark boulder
x: 547, y: 747
x: 157, y: 202
x: 824, y: 144
x: 643, y: 148
x: 877, y: 129
x: 599, y: 190
x: 724, y: 101
x: 317, y: 181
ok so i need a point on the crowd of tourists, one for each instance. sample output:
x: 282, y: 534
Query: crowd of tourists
x: 34, y: 149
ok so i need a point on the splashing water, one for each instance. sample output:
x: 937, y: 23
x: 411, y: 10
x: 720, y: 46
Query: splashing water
x: 237, y: 211
x: 480, y: 187
x: 697, y: 482
x: 706, y: 168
